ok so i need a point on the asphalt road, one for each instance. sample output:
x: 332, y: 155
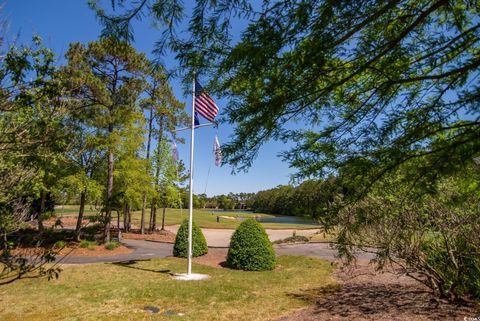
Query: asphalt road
x: 221, y: 237
x: 148, y: 250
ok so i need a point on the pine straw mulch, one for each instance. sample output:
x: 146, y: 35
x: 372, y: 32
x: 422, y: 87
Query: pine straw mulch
x: 69, y: 221
x: 158, y: 236
x: 216, y: 257
x: 364, y: 294
x: 73, y: 249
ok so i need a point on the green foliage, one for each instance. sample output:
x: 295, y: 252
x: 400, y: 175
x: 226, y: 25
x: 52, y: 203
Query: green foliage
x: 112, y: 245
x: 226, y: 203
x: 199, y: 243
x: 293, y: 239
x: 33, y: 131
x: 371, y: 83
x: 85, y: 244
x: 250, y: 249
x: 312, y: 198
x: 60, y: 244
x: 433, y: 234
x: 166, y: 176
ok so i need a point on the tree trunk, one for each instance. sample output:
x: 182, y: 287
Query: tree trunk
x: 108, y: 214
x: 129, y: 218
x: 41, y: 211
x: 119, y: 232
x: 5, y: 242
x: 80, y: 215
x: 163, y: 217
x: 153, y: 209
x: 154, y: 220
x: 142, y: 219
x: 149, y: 140
x: 125, y: 217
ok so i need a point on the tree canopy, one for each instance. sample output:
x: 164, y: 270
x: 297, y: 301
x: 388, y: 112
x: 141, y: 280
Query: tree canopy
x: 363, y: 85
x: 383, y: 96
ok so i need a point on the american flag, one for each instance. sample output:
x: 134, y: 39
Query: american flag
x: 174, y: 152
x: 218, y: 152
x: 204, y: 104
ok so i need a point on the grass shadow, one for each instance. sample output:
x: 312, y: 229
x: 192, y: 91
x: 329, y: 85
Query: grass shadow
x: 131, y: 264
x: 375, y: 301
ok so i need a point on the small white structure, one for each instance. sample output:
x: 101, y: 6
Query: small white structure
x: 190, y: 277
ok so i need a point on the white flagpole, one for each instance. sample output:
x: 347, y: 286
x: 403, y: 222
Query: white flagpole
x: 190, y: 203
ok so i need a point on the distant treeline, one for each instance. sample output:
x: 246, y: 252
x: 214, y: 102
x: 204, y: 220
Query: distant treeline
x: 312, y: 198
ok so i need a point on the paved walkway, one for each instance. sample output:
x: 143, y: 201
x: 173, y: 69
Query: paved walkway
x: 141, y: 250
x: 221, y: 237
x: 148, y: 250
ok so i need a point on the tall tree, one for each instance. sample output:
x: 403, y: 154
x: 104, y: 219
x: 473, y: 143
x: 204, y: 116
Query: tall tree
x: 169, y: 113
x: 84, y: 164
x: 33, y: 136
x: 164, y: 113
x: 382, y: 94
x: 370, y: 82
x: 107, y: 78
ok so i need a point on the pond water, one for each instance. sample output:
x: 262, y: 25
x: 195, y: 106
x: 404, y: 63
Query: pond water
x: 282, y: 219
x: 285, y: 220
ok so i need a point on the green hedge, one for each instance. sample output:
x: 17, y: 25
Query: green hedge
x: 250, y: 248
x: 199, y: 243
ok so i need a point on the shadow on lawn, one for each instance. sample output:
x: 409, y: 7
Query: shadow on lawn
x: 369, y: 301
x: 131, y: 264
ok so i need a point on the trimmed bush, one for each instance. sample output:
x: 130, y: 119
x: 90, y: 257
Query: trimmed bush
x: 199, y: 243
x: 60, y: 244
x: 293, y: 239
x: 250, y: 248
x: 84, y: 244
x: 112, y: 245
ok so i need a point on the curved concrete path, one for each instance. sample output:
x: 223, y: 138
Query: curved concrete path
x: 221, y: 237
x: 143, y: 250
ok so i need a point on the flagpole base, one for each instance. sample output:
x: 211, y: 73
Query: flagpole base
x: 190, y: 277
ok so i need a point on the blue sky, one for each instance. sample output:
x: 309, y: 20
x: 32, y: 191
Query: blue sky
x: 60, y: 22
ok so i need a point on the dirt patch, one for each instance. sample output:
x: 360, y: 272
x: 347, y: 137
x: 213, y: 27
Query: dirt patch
x: 363, y: 294
x: 73, y: 250
x: 99, y: 250
x: 158, y: 236
x: 69, y: 221
x: 215, y: 257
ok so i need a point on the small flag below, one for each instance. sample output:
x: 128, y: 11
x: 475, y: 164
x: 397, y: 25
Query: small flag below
x: 174, y: 152
x: 196, y: 121
x: 218, y: 152
x: 204, y: 104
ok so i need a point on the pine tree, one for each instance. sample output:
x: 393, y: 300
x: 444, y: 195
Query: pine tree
x: 106, y: 78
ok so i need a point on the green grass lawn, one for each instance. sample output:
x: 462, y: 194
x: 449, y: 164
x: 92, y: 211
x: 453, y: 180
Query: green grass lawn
x: 73, y: 209
x: 120, y: 292
x: 203, y: 218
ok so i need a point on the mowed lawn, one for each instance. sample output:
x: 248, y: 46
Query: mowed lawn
x: 121, y: 291
x: 203, y: 218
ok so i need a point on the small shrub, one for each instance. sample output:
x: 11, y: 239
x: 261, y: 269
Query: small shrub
x: 85, y: 244
x: 60, y: 244
x: 112, y: 245
x: 250, y: 248
x: 293, y: 239
x: 93, y: 229
x: 199, y: 243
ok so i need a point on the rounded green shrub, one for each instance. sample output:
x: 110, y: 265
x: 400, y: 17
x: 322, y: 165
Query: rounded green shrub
x: 60, y: 244
x: 250, y: 248
x: 199, y: 243
x: 85, y: 244
x: 112, y: 245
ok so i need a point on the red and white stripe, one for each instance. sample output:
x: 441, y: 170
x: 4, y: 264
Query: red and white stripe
x: 206, y: 107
